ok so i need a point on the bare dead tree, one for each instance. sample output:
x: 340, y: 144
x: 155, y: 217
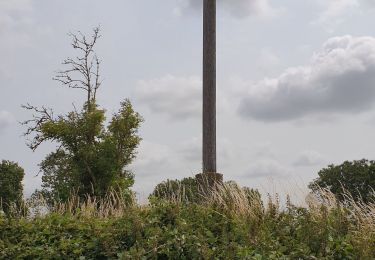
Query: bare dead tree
x: 83, y: 71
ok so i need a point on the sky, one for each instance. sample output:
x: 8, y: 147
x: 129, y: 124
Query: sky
x: 295, y: 82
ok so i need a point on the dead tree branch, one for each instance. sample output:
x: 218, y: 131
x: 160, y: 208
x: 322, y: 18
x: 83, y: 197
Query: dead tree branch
x: 40, y: 116
x: 83, y: 70
x: 82, y: 73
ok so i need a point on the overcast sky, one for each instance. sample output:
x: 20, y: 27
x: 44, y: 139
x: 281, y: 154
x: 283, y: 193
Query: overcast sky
x: 296, y: 82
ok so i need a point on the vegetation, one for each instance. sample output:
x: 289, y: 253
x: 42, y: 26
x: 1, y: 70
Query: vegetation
x: 225, y: 226
x: 85, y: 209
x: 11, y: 189
x: 188, y: 190
x: 356, y: 179
x: 91, y: 158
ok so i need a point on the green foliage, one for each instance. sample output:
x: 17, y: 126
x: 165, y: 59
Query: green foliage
x: 11, y: 176
x: 356, y: 178
x: 92, y: 156
x: 188, y: 190
x: 91, y: 159
x: 186, y: 231
x: 185, y: 190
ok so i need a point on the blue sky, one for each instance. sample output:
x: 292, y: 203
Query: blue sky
x: 296, y: 82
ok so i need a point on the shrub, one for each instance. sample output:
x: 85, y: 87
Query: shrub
x: 11, y: 176
x: 185, y: 190
x: 356, y: 179
x: 214, y: 229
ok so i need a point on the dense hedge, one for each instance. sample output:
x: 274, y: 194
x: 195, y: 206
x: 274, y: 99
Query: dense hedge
x: 187, y: 231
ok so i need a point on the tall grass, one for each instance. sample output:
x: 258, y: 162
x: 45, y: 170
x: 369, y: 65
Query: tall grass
x: 113, y: 204
x: 357, y: 217
x: 325, y: 228
x: 228, y: 197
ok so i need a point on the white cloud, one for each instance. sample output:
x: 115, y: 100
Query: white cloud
x: 340, y: 79
x: 309, y: 158
x: 264, y: 151
x: 177, y: 97
x: 334, y: 11
x: 6, y: 119
x: 13, y: 13
x: 237, y: 8
x: 267, y: 61
x: 151, y: 159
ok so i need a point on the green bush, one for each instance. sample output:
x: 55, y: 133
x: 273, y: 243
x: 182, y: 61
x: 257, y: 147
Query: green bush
x: 169, y: 230
x: 355, y: 179
x: 185, y: 190
x: 11, y: 189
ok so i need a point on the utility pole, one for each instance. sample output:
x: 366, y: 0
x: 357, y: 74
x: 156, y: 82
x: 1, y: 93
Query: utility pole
x: 209, y: 175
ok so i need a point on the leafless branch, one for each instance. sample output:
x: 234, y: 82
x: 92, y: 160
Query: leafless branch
x: 40, y: 116
x: 83, y: 71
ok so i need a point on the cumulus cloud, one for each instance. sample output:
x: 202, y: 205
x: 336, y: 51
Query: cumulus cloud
x: 6, y: 119
x: 309, y: 158
x: 340, y: 79
x: 177, y: 97
x: 237, y: 8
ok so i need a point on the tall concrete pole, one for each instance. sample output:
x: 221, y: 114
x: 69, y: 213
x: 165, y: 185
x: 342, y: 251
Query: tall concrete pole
x: 209, y: 90
x: 209, y: 86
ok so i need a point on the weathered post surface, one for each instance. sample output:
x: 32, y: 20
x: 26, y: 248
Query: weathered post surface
x: 210, y: 175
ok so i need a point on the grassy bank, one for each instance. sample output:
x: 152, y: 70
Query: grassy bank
x: 228, y: 225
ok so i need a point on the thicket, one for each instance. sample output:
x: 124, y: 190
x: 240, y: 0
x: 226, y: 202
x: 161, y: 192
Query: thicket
x: 226, y: 226
x: 91, y: 155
